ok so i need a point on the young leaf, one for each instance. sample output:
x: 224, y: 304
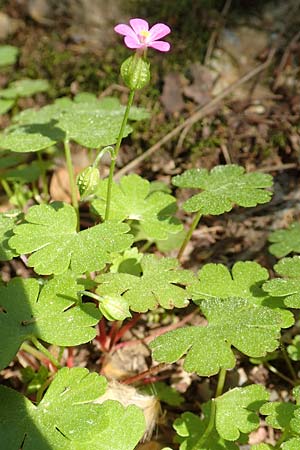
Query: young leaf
x: 24, y: 88
x: 7, y: 223
x: 132, y: 200
x: 55, y: 316
x: 223, y: 187
x: 190, y: 430
x: 50, y: 234
x: 161, y: 283
x: 236, y: 411
x: 285, y: 241
x: 252, y: 329
x: 289, y: 287
x: 244, y: 281
x: 8, y: 55
x: 67, y: 418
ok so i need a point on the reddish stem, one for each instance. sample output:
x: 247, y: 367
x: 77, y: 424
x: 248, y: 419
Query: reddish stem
x: 102, y: 337
x: 130, y: 324
x: 113, y: 332
x: 142, y: 375
x: 70, y: 359
x: 158, y: 332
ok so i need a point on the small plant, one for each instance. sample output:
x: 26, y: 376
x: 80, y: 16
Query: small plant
x: 89, y: 277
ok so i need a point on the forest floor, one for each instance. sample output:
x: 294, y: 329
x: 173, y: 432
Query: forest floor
x: 234, y: 98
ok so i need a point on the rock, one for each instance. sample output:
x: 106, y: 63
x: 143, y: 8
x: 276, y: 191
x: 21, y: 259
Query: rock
x: 8, y: 26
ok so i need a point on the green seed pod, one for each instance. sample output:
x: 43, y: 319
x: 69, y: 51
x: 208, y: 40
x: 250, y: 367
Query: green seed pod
x: 87, y: 181
x: 114, y: 307
x: 135, y: 72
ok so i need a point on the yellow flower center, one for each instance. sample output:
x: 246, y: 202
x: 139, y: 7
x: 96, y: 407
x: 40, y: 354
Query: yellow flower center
x: 144, y: 35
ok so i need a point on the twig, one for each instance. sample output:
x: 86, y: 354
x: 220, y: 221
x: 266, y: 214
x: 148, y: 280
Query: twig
x: 277, y: 167
x: 214, y: 35
x: 199, y: 114
x: 284, y: 59
x: 146, y: 373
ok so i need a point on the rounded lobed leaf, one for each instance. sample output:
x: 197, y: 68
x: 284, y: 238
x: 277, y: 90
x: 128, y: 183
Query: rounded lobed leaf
x: 223, y: 187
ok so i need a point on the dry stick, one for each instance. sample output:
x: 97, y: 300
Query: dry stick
x: 284, y: 59
x: 202, y: 112
x: 215, y: 33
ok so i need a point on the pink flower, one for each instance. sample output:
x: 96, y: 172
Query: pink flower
x: 138, y: 35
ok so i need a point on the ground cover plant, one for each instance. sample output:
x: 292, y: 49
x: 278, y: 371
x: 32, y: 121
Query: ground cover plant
x: 92, y: 283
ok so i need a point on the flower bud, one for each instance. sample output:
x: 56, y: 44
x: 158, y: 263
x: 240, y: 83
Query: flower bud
x: 87, y: 181
x: 135, y: 72
x: 114, y: 307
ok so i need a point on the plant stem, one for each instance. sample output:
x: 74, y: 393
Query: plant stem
x: 45, y: 351
x: 288, y: 362
x: 282, y: 438
x: 280, y: 374
x: 43, y: 177
x: 189, y: 234
x: 34, y: 352
x: 7, y: 188
x: 212, y: 417
x: 71, y: 178
x: 115, y: 155
x: 221, y: 382
x: 210, y: 424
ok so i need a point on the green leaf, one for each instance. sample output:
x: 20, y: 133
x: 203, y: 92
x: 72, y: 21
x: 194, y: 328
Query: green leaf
x: 27, y: 173
x: 50, y: 234
x: 93, y: 129
x: 7, y: 223
x: 252, y: 329
x: 292, y: 444
x: 161, y: 283
x: 223, y: 187
x: 279, y: 414
x: 24, y: 88
x: 67, y: 418
x: 285, y: 241
x: 294, y: 349
x: 190, y: 429
x: 289, y: 287
x: 132, y: 200
x: 6, y: 105
x: 237, y: 411
x: 55, y: 315
x: 244, y: 281
x: 8, y: 55
x: 164, y: 393
x: 31, y: 138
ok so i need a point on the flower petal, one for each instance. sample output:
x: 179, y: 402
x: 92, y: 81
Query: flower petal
x: 139, y: 25
x: 125, y: 30
x: 162, y: 46
x: 131, y: 42
x: 158, y: 31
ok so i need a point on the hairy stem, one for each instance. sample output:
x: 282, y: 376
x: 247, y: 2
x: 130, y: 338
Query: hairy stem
x: 45, y: 351
x: 189, y: 234
x: 43, y: 178
x: 71, y: 179
x: 115, y: 155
